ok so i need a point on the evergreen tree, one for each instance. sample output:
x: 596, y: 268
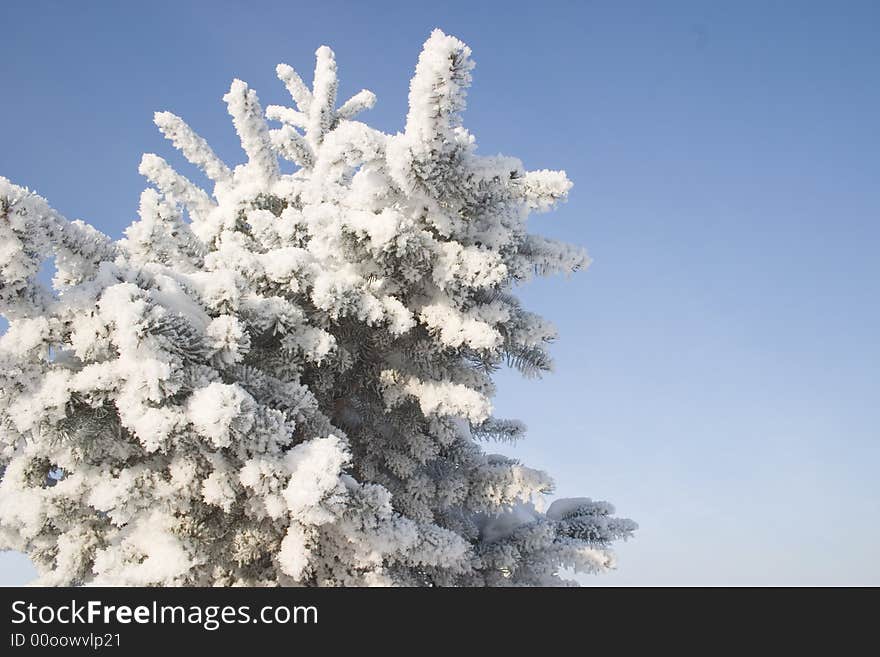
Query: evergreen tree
x: 288, y: 381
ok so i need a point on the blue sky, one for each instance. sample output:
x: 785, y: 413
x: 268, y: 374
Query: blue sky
x: 717, y: 367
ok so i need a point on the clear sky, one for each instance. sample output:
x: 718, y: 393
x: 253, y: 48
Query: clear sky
x: 717, y: 372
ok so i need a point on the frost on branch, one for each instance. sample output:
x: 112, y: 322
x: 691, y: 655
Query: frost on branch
x: 286, y: 379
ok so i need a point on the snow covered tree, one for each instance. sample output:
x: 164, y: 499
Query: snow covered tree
x: 287, y: 381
